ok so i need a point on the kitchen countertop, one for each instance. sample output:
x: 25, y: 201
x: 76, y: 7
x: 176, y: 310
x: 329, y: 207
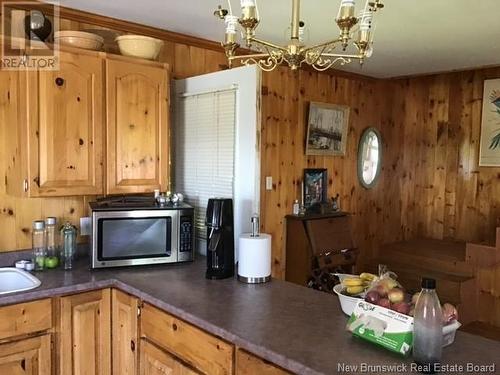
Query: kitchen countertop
x: 299, y: 329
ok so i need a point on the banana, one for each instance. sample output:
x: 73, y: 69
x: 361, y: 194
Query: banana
x: 354, y: 289
x: 367, y: 276
x: 352, y: 281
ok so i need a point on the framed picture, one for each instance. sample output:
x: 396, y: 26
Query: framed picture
x: 327, y: 129
x: 315, y: 186
x: 489, y: 151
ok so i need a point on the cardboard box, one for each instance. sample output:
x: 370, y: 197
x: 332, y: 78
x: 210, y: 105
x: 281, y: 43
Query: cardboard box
x: 384, y: 327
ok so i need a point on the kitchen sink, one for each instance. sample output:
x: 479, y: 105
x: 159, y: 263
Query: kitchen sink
x: 15, y: 280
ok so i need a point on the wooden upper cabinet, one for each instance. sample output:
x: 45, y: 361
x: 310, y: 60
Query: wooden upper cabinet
x: 66, y: 126
x: 84, y: 330
x: 137, y: 127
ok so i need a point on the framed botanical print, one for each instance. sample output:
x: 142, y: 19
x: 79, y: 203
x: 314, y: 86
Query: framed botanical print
x: 489, y: 151
x: 315, y: 186
x: 327, y: 129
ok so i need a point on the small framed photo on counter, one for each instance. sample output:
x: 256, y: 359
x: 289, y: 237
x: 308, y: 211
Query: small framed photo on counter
x: 315, y: 186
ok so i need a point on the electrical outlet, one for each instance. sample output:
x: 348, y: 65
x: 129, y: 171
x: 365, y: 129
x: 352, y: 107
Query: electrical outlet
x: 85, y: 226
x: 269, y: 183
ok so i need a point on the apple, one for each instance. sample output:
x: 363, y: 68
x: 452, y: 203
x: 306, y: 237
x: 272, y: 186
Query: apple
x: 384, y: 302
x: 372, y: 296
x: 40, y: 261
x: 401, y: 307
x: 51, y: 262
x: 382, y: 290
x: 396, y: 295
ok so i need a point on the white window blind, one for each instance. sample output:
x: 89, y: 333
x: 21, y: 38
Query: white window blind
x: 204, y: 151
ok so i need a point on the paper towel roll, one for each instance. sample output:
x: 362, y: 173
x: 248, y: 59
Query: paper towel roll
x: 254, y: 263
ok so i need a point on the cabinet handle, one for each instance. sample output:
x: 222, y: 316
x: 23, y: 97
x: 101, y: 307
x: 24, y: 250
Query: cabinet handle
x: 23, y: 364
x: 25, y: 186
x: 132, y: 345
x: 59, y: 81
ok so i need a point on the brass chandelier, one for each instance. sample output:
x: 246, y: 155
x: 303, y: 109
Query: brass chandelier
x: 353, y: 30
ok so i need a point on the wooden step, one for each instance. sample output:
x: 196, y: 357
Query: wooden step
x: 483, y: 329
x: 436, y: 255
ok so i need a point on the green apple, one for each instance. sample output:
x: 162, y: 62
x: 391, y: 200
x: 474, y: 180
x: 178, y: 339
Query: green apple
x: 51, y: 262
x: 40, y: 261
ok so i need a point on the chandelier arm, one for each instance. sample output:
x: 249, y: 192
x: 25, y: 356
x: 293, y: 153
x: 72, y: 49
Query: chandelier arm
x: 251, y: 56
x: 268, y: 44
x: 321, y: 45
x: 325, y: 65
x: 360, y: 56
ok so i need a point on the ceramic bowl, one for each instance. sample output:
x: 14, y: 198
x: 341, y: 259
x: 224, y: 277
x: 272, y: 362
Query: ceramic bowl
x: 141, y: 46
x: 79, y: 39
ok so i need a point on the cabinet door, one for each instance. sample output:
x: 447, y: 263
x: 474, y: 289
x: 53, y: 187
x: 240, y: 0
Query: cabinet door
x: 154, y: 361
x: 124, y: 333
x: 248, y: 364
x: 26, y: 357
x: 85, y: 338
x: 66, y: 125
x: 137, y: 127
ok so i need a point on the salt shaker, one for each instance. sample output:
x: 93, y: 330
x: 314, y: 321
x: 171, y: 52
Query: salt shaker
x: 68, y: 240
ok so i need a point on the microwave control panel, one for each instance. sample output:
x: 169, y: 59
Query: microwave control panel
x: 186, y: 234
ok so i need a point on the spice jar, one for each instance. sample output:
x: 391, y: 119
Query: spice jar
x: 68, y: 240
x: 38, y: 245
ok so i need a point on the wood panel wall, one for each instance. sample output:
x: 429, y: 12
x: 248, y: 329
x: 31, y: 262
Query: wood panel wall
x: 286, y: 97
x: 444, y: 192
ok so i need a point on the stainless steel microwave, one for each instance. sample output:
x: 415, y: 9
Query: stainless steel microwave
x: 135, y: 230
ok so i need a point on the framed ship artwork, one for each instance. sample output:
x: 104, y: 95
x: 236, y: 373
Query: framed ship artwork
x: 327, y: 129
x: 489, y: 150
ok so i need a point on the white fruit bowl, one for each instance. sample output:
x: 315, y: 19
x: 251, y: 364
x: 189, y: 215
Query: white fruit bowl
x: 347, y: 303
x: 140, y: 46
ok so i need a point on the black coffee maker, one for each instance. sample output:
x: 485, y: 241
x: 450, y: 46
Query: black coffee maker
x: 220, y: 238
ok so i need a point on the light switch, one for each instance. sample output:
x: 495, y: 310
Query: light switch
x: 85, y: 226
x: 269, y: 183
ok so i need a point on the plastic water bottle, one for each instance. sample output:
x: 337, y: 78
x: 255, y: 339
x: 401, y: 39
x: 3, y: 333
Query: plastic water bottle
x: 428, y: 329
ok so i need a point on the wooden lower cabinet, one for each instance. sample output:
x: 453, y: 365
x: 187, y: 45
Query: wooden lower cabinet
x: 248, y: 364
x: 30, y: 356
x: 85, y: 334
x: 106, y: 332
x: 154, y: 361
x: 124, y: 333
x: 204, y: 352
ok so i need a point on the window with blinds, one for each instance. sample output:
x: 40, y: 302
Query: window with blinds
x: 204, y: 151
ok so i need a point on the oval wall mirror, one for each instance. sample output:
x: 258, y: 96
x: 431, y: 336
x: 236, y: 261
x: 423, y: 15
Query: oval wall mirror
x: 369, y: 157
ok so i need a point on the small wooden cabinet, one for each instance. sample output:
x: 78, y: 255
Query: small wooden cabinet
x: 30, y: 356
x: 85, y: 337
x: 124, y: 333
x: 202, y: 351
x: 154, y: 361
x: 25, y: 338
x: 248, y: 364
x: 137, y: 127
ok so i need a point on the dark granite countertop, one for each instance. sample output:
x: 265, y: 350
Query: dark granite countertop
x: 299, y: 329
